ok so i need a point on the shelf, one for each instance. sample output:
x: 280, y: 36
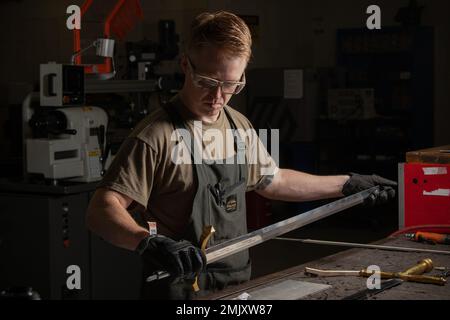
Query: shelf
x: 120, y: 86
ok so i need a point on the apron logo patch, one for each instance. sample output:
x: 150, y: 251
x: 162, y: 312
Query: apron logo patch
x: 231, y: 203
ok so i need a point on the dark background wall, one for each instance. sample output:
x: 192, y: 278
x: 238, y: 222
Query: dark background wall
x: 291, y: 34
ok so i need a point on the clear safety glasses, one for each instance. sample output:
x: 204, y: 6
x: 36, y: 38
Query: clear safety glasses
x: 228, y: 87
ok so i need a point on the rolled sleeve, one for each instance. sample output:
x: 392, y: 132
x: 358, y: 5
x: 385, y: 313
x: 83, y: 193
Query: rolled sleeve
x: 132, y: 171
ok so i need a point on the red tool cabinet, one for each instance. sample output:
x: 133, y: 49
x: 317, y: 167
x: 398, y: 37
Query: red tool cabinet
x: 424, y: 188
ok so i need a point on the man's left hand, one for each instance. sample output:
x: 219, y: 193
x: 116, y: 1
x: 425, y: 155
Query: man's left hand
x: 358, y: 183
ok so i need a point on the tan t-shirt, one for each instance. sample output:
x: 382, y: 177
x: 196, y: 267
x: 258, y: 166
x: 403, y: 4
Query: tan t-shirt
x: 156, y: 172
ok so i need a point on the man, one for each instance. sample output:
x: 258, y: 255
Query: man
x: 180, y: 198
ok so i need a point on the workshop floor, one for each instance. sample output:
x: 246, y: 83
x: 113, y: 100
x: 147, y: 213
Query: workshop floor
x: 361, y: 225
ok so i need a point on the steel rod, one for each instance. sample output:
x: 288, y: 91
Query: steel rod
x: 364, y: 246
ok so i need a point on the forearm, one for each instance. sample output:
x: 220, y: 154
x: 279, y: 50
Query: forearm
x: 290, y: 185
x: 108, y: 218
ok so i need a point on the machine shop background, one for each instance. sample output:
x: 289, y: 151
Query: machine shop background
x: 363, y: 98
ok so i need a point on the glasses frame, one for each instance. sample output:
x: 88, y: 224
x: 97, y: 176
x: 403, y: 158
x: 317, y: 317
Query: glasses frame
x: 195, y: 76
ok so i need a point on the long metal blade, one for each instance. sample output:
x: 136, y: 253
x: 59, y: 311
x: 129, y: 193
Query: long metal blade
x: 251, y: 239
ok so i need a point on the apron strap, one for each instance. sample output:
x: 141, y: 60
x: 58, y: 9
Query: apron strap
x: 239, y: 144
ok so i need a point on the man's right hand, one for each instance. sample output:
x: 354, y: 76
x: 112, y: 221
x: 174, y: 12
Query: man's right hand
x: 179, y: 258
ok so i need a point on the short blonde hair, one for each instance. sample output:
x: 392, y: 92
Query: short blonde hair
x: 223, y: 30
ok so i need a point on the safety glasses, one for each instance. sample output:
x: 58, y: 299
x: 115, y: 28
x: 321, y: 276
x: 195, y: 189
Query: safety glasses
x: 227, y: 87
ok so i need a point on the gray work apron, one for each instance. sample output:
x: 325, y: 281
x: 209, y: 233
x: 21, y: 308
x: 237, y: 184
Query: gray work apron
x: 220, y: 202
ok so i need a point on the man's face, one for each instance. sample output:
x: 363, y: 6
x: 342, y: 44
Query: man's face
x: 206, y: 103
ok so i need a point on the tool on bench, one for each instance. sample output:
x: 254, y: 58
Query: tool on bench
x: 413, y: 274
x: 364, y: 294
x: 445, y: 271
x: 245, y: 241
x: 423, y: 266
x: 429, y: 237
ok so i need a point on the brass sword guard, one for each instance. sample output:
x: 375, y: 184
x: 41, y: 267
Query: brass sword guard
x: 204, y: 238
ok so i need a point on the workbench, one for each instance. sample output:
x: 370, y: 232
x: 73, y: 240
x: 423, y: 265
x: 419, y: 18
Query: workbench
x: 344, y: 286
x: 43, y: 232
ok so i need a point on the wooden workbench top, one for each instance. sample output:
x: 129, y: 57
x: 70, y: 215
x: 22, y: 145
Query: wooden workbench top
x: 357, y: 259
x: 438, y: 155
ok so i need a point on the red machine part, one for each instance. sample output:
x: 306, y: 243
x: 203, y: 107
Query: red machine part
x: 119, y: 22
x: 426, y: 195
x: 123, y: 18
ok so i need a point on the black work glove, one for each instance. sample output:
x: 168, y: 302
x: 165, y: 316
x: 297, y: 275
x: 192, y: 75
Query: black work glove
x: 180, y: 258
x: 358, y: 183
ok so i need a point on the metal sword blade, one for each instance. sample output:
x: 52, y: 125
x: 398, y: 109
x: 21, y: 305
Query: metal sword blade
x: 251, y: 239
x: 230, y: 247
